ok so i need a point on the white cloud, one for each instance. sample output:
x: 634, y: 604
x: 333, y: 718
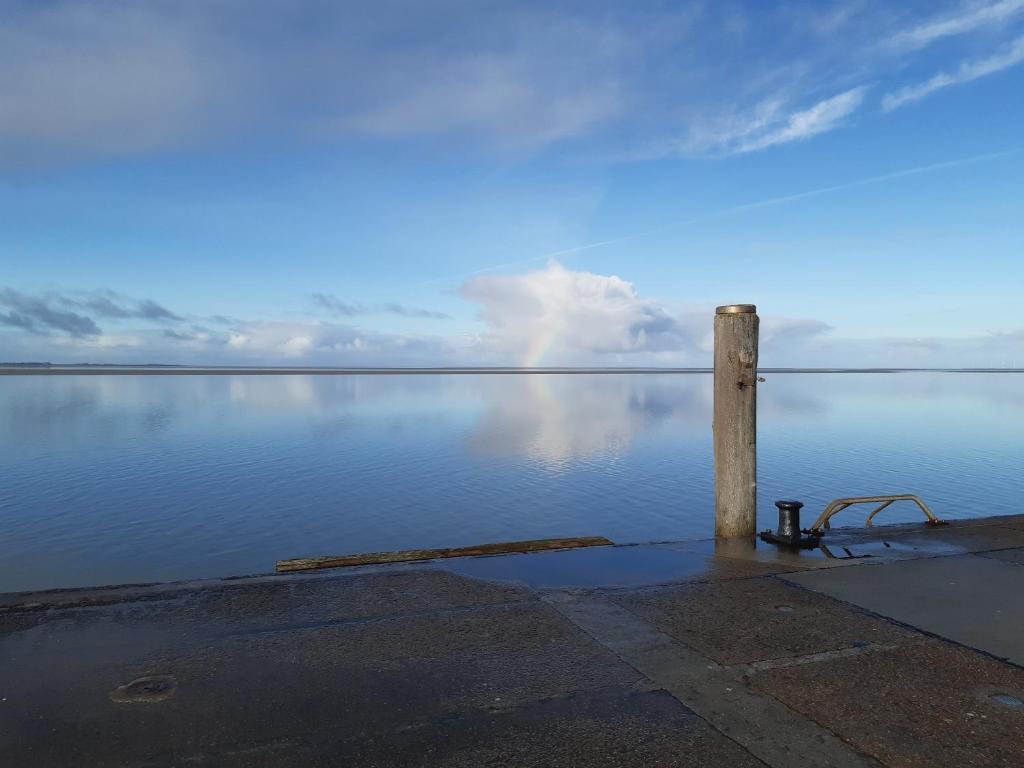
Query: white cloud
x: 118, y: 80
x: 769, y: 124
x: 103, y: 342
x: 553, y: 316
x: 559, y: 81
x: 94, y: 78
x: 91, y: 78
x: 967, y: 18
x: 324, y: 344
x: 556, y: 316
x: 974, y: 69
x: 824, y: 116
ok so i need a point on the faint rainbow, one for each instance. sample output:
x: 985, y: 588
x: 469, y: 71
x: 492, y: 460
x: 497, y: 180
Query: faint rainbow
x: 538, y: 347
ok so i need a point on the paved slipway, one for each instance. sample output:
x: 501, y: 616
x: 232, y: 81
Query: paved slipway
x: 905, y: 648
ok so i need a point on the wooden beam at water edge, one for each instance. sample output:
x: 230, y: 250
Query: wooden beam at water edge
x: 413, y: 555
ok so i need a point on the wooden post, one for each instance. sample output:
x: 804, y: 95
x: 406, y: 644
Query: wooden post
x: 735, y: 420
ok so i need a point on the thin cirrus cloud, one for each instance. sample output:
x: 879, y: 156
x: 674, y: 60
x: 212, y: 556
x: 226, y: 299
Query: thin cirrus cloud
x: 87, y: 79
x: 826, y: 115
x: 768, y: 124
x: 967, y: 18
x: 967, y: 72
x: 90, y: 79
x: 335, y: 306
x: 94, y: 79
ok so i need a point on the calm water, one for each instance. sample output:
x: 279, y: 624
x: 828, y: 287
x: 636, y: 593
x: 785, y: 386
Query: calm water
x: 112, y: 479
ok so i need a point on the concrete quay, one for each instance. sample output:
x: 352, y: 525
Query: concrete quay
x: 904, y: 648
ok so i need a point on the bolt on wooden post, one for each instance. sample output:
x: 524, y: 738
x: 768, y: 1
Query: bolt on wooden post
x: 735, y: 420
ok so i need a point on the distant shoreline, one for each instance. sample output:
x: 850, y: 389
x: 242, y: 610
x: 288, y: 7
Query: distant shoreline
x: 173, y: 370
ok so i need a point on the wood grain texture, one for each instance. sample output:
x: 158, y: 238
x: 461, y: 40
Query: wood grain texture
x: 376, y: 558
x: 735, y: 424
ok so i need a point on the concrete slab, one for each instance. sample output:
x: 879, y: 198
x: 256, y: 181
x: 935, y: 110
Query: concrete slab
x: 951, y: 523
x: 973, y: 539
x: 965, y: 536
x: 917, y: 706
x: 969, y: 599
x: 1007, y: 555
x: 768, y: 729
x: 609, y: 729
x: 1014, y: 521
x: 744, y: 621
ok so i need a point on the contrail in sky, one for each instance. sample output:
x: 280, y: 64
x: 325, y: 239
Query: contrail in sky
x: 725, y: 212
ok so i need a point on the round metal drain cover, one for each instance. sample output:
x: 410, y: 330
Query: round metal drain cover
x: 784, y: 608
x: 1006, y: 700
x: 146, y: 690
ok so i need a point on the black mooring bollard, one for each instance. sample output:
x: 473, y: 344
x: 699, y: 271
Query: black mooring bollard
x: 788, y: 532
x: 789, y: 519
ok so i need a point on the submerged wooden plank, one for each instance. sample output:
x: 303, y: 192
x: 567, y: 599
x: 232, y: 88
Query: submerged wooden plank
x: 375, y: 558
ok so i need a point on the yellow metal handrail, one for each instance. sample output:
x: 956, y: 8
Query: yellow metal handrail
x: 839, y: 505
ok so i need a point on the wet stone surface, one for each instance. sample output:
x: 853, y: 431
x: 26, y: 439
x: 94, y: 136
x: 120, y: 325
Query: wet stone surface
x: 520, y: 661
x: 369, y: 677
x: 747, y: 620
x: 923, y: 705
x: 605, y: 729
x: 178, y: 619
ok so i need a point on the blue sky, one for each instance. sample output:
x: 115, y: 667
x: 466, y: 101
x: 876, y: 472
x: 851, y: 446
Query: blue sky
x: 474, y: 182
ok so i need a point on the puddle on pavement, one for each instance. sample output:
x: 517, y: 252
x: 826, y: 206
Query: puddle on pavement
x: 650, y: 564
x: 894, y: 548
x: 595, y: 567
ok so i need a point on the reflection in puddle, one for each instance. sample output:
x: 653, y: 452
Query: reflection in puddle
x: 594, y: 567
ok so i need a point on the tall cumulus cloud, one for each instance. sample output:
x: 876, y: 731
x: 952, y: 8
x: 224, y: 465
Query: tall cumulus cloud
x: 560, y: 316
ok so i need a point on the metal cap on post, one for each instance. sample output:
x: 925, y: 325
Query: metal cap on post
x: 735, y: 420
x: 736, y: 309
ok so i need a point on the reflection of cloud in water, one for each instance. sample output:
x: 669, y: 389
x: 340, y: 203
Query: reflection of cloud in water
x: 273, y: 391
x: 76, y: 410
x: 554, y: 419
x: 550, y: 418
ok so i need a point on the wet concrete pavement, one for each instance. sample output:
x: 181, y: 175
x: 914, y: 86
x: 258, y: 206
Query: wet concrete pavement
x: 905, y: 648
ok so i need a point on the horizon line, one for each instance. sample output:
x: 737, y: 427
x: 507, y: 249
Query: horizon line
x: 26, y: 369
